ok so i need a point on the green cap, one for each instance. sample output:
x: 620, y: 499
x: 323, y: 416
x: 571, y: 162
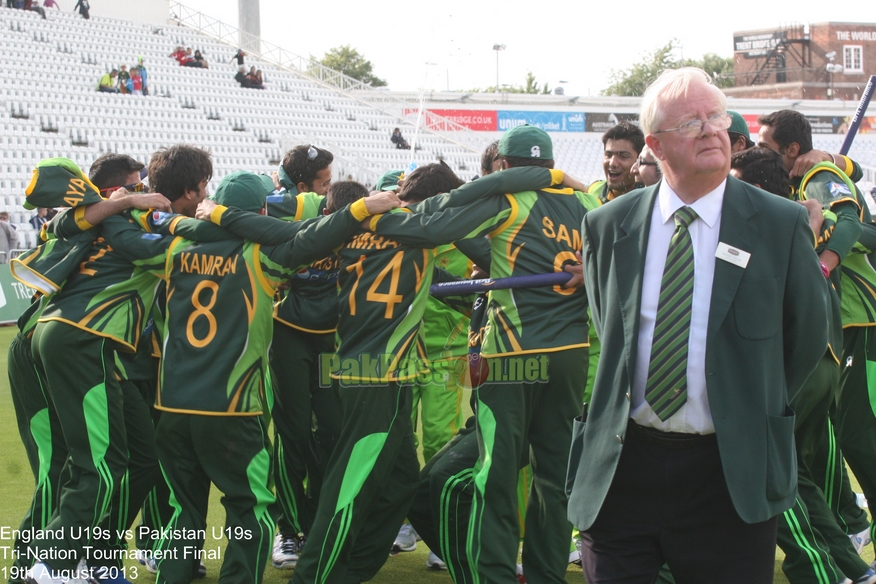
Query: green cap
x: 739, y: 126
x: 389, y: 181
x: 526, y: 142
x: 59, y: 182
x: 245, y: 190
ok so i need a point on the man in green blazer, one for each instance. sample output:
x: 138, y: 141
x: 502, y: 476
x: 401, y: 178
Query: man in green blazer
x: 687, y: 455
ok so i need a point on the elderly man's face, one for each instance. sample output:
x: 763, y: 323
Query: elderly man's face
x: 709, y: 151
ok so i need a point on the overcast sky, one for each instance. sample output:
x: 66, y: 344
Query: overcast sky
x: 577, y: 42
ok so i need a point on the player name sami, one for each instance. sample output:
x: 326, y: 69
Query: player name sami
x: 207, y: 265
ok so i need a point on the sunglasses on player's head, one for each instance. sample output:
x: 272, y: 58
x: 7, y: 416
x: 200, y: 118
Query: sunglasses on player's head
x: 137, y: 187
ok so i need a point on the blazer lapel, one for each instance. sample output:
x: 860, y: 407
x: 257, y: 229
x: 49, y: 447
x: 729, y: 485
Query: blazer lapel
x: 629, y: 263
x: 736, y: 231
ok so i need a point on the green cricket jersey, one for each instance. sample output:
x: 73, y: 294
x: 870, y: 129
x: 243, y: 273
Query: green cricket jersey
x: 112, y: 291
x: 218, y: 325
x: 219, y: 308
x: 59, y: 182
x: 530, y: 233
x: 310, y: 304
x: 47, y: 266
x: 445, y: 330
x: 599, y: 189
x: 383, y: 286
x: 846, y: 217
x: 290, y: 207
x: 29, y: 318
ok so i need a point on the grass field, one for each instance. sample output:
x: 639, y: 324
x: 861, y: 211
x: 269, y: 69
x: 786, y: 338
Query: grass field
x: 17, y: 488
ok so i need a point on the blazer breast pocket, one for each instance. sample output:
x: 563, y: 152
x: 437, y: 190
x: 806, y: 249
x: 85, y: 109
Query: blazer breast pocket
x: 756, y: 312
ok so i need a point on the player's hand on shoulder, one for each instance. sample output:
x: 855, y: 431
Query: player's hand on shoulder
x: 804, y: 162
x: 146, y: 201
x: 573, y: 183
x: 205, y: 209
x: 378, y: 203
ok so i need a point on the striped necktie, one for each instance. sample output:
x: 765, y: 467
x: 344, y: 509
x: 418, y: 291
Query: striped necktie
x: 666, y: 388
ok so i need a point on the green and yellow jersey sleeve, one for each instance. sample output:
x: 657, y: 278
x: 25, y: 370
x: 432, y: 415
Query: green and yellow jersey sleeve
x: 113, y: 289
x: 289, y: 207
x: 846, y: 214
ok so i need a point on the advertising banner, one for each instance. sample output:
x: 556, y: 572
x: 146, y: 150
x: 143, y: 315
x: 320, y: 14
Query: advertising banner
x: 547, y: 121
x: 14, y: 296
x: 477, y: 120
x: 603, y: 122
x: 757, y: 45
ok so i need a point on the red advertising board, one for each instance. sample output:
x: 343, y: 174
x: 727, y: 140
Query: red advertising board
x: 478, y: 120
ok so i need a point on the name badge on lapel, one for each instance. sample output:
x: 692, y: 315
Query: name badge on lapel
x: 735, y: 256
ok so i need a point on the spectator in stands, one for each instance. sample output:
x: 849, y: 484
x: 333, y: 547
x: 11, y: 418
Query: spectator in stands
x: 83, y: 7
x: 143, y: 79
x: 242, y: 78
x: 200, y: 60
x: 136, y: 81
x: 50, y: 213
x: 123, y: 79
x: 51, y: 4
x: 399, y: 141
x: 239, y: 55
x: 178, y: 54
x: 251, y: 75
x: 8, y: 237
x: 39, y: 219
x: 108, y: 81
x: 257, y: 80
x: 187, y: 58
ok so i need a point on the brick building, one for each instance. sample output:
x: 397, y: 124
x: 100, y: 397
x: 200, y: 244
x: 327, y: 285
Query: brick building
x: 815, y: 61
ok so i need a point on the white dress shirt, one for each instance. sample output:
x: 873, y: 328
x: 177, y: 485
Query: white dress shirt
x: 694, y: 417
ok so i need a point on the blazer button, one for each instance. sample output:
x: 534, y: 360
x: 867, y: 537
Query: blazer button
x: 619, y: 439
x: 628, y: 396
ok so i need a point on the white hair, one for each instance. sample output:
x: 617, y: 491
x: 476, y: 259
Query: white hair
x: 670, y: 85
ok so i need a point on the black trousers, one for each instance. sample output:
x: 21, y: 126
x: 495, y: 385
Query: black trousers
x: 671, y: 504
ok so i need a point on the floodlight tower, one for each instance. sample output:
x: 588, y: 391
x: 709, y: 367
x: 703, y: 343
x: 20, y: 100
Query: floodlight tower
x: 249, y: 24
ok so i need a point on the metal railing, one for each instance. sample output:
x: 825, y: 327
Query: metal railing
x: 316, y: 71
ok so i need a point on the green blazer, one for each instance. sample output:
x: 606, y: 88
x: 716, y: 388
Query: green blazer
x: 767, y: 330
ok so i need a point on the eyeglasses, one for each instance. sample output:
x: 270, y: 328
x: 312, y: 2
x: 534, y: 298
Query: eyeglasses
x: 643, y: 162
x: 313, y: 151
x: 137, y: 187
x: 693, y: 128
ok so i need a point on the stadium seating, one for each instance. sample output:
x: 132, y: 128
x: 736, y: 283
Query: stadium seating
x: 49, y: 107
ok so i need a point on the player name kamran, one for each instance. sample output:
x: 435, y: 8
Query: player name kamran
x: 207, y: 265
